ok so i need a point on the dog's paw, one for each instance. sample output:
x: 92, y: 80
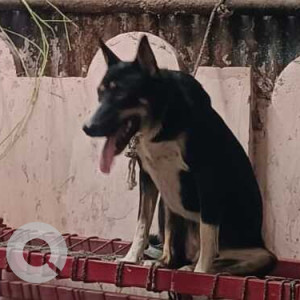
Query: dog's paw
x: 151, y: 262
x: 189, y: 268
x: 201, y: 269
x: 128, y: 259
x: 165, y: 260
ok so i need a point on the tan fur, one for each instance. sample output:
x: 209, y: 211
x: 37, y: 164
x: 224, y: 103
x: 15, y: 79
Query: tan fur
x: 209, y: 247
x: 147, y: 207
x: 163, y: 161
x: 130, y: 112
x: 166, y: 256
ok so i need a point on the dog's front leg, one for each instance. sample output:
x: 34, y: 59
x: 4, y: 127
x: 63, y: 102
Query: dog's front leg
x: 209, y: 246
x: 148, y: 199
x: 166, y: 256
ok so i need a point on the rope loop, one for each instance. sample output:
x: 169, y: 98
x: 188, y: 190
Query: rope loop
x: 218, y: 7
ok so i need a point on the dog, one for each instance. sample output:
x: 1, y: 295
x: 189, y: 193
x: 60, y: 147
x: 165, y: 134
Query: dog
x: 212, y: 205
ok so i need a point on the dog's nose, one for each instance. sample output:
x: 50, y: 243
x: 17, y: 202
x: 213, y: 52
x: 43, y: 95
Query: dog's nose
x: 87, y: 129
x: 92, y: 130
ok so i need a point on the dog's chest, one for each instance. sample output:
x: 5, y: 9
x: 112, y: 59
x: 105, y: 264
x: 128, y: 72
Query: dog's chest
x: 164, y: 162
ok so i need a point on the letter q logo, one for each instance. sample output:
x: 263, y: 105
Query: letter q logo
x: 56, y: 248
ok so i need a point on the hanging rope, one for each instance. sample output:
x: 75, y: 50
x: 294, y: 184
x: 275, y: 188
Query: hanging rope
x: 133, y: 156
x: 132, y: 153
x: 220, y: 5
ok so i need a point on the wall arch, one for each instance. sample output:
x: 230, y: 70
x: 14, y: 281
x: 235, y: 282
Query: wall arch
x: 125, y: 46
x: 282, y: 187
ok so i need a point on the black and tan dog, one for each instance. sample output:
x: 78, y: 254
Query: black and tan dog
x: 187, y: 154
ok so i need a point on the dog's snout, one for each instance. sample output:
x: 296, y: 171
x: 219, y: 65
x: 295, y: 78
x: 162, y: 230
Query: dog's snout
x: 95, y: 130
x: 102, y: 123
x: 89, y: 129
x: 86, y: 128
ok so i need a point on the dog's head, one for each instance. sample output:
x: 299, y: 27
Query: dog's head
x: 124, y: 96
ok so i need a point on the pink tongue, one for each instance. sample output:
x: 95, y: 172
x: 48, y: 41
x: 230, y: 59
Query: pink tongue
x: 108, y: 154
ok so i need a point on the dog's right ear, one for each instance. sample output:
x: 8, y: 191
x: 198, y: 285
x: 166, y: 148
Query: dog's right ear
x: 145, y: 56
x: 109, y: 56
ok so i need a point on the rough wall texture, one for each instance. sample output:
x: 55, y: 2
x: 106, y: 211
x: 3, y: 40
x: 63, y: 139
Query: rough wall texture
x: 282, y: 164
x: 264, y: 43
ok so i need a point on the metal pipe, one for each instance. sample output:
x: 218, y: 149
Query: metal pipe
x: 159, y: 6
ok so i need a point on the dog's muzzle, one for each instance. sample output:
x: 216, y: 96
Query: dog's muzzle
x: 91, y: 130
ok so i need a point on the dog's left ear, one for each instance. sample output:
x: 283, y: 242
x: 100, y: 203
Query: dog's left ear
x: 145, y: 57
x: 109, y: 56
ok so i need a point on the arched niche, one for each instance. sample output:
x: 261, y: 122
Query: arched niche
x: 125, y: 46
x: 282, y: 186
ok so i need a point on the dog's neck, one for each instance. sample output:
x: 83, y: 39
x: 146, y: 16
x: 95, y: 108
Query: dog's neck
x: 149, y: 133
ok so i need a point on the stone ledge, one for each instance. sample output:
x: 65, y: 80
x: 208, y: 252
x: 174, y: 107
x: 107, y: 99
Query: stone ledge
x: 159, y: 6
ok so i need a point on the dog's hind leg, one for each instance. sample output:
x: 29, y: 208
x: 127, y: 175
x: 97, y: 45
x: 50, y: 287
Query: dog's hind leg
x: 148, y: 199
x: 209, y: 246
x: 172, y: 233
x: 244, y: 262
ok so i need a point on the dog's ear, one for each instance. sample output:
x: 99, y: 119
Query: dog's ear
x: 109, y: 56
x: 145, y: 56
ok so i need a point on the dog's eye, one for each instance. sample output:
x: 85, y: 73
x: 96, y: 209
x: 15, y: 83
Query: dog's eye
x: 112, y: 85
